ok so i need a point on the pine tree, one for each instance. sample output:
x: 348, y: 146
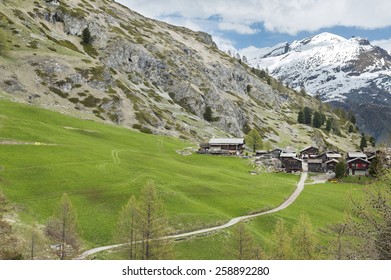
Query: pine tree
x: 307, y: 116
x: 208, y: 115
x: 328, y: 125
x: 86, y: 36
x: 254, y: 140
x: 363, y: 142
x: 300, y: 117
x: 62, y: 227
x: 317, y: 120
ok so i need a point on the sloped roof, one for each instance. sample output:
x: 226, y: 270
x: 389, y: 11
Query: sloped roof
x: 288, y: 155
x: 333, y: 155
x: 226, y: 141
x: 357, y: 155
x: 332, y: 160
x: 355, y: 159
x: 315, y: 161
x: 305, y: 149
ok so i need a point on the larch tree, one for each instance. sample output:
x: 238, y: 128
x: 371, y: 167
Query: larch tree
x: 62, y: 227
x: 367, y: 232
x: 281, y: 242
x: 254, y: 140
x: 128, y: 226
x: 304, y: 239
x: 241, y: 244
x: 153, y: 226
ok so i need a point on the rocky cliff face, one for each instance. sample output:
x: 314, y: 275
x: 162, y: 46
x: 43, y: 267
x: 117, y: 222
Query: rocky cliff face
x: 139, y: 73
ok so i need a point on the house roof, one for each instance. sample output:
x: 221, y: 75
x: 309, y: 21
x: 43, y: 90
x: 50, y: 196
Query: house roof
x: 355, y: 159
x: 315, y: 161
x: 333, y: 155
x: 226, y: 141
x: 356, y: 155
x: 311, y: 147
x: 288, y: 155
x: 332, y: 160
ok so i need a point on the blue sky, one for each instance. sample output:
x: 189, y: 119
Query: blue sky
x: 264, y: 23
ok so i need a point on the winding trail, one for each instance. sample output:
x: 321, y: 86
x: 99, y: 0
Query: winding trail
x: 285, y: 204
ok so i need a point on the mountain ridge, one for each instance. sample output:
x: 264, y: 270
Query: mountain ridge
x: 144, y: 74
x: 349, y: 73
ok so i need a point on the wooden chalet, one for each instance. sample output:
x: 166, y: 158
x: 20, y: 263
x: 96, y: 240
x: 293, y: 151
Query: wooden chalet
x: 309, y: 152
x: 331, y: 165
x: 358, y: 167
x: 290, y: 162
x: 226, y: 146
x: 315, y: 165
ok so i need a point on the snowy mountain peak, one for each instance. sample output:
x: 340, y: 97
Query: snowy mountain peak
x: 344, y: 71
x: 323, y: 39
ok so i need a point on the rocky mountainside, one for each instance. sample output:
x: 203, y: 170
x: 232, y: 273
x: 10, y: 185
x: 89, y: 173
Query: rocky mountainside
x: 350, y: 73
x: 144, y: 74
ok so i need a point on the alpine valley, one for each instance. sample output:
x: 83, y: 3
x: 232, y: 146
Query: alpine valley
x: 155, y: 77
x: 348, y: 73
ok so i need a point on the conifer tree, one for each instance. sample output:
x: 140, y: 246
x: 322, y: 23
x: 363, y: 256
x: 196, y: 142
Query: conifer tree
x: 86, y: 36
x: 300, y: 117
x: 241, y: 245
x: 307, y: 115
x: 254, y: 140
x: 281, y: 242
x: 304, y: 239
x: 62, y: 227
x: 128, y: 226
x: 328, y: 125
x: 340, y: 169
x: 363, y: 142
x: 153, y: 226
x: 317, y: 120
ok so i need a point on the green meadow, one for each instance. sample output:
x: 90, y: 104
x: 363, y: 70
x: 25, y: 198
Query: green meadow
x: 325, y: 204
x: 44, y: 154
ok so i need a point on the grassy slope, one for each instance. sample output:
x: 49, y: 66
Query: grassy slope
x: 101, y: 166
x: 325, y: 204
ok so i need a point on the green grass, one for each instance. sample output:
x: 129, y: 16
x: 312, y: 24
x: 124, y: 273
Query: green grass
x: 101, y: 166
x: 325, y: 204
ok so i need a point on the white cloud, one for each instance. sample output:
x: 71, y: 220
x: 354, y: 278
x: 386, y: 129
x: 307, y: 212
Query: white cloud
x: 280, y: 16
x: 224, y: 44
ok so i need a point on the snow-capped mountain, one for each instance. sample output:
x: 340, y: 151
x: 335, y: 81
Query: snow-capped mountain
x: 347, y: 72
